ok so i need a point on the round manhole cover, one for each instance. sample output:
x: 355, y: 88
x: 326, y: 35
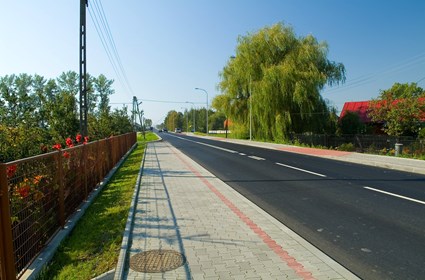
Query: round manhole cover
x: 156, y: 261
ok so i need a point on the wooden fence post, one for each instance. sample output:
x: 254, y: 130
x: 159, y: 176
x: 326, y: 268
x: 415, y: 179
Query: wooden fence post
x: 7, y: 258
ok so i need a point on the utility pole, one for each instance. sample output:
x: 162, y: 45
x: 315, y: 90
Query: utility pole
x: 133, y: 112
x: 83, y: 69
x: 141, y: 119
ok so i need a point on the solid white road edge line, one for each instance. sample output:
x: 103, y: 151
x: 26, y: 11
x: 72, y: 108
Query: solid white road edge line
x: 299, y: 169
x: 396, y: 195
x: 208, y: 145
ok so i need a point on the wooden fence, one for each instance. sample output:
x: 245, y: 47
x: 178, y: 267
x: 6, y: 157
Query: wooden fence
x: 38, y: 194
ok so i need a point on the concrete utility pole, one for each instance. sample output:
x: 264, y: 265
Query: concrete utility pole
x: 134, y: 112
x: 83, y: 69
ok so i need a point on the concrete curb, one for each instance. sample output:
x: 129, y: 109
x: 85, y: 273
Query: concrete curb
x: 394, y: 163
x: 120, y: 268
x: 48, y: 252
x: 109, y: 275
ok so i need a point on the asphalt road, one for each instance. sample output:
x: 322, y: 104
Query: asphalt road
x: 341, y: 208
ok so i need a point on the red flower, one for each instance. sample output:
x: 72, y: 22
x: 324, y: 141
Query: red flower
x: 66, y: 154
x: 86, y: 139
x: 69, y: 142
x: 57, y: 146
x: 24, y: 191
x: 11, y: 171
x: 78, y: 138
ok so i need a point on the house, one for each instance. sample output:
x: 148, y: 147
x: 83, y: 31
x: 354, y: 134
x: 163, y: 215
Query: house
x: 359, y: 107
x: 362, y: 108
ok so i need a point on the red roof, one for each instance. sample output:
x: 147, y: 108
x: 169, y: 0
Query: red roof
x: 359, y: 107
x: 362, y: 107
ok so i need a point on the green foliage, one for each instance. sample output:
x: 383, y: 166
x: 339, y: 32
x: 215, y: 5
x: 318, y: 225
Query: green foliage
x: 148, y: 123
x: 400, y: 91
x: 37, y: 112
x: 279, y: 76
x: 216, y: 121
x: 400, y: 109
x: 103, y: 88
x: 349, y: 147
x: 421, y: 134
x: 351, y: 124
x: 173, y: 120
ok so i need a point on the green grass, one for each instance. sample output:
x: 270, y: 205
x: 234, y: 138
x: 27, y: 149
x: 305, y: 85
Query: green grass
x: 94, y: 244
x: 149, y: 137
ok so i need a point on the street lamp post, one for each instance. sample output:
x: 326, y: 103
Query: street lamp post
x: 193, y: 115
x: 207, y: 103
x: 250, y: 109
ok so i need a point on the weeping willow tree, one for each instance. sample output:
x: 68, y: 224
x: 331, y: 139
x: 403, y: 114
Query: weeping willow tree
x: 278, y: 76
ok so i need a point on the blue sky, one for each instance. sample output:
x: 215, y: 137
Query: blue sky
x: 167, y: 48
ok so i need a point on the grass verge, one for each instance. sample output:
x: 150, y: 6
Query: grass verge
x: 94, y: 244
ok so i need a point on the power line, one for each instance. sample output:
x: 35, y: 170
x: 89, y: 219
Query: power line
x: 366, y: 79
x: 104, y: 44
x: 103, y: 30
x: 114, y: 47
x: 160, y: 101
x: 420, y: 80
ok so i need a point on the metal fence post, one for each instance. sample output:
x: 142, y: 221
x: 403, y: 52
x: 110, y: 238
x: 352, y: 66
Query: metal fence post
x: 97, y: 162
x: 84, y: 171
x: 7, y: 258
x: 61, y: 199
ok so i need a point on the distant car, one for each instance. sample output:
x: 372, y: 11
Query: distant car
x: 160, y: 130
x: 177, y: 130
x: 165, y: 130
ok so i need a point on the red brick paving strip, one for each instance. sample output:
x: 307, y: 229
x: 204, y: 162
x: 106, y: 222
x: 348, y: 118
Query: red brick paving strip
x: 314, y: 152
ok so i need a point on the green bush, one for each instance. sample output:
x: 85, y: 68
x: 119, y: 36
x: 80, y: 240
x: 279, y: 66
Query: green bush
x: 348, y: 147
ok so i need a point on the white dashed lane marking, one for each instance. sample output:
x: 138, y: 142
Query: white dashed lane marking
x: 299, y: 169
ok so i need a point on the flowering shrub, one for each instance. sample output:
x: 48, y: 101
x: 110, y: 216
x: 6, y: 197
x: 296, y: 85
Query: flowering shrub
x: 11, y: 170
x: 69, y: 142
x: 57, y: 146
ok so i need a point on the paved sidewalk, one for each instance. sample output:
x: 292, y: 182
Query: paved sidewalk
x: 184, y: 208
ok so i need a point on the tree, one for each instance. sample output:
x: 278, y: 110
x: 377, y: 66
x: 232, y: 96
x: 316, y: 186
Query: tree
x: 148, y: 123
x: 36, y: 112
x: 103, y: 88
x: 19, y: 115
x: 18, y: 99
x: 351, y: 123
x: 100, y: 122
x: 216, y: 121
x: 173, y: 120
x: 401, y: 108
x: 279, y: 77
x: 120, y: 121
